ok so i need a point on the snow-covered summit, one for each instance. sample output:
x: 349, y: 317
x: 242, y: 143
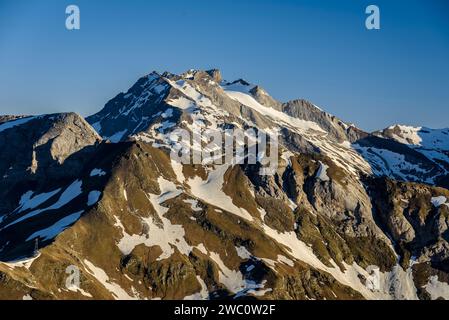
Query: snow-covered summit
x: 161, y: 102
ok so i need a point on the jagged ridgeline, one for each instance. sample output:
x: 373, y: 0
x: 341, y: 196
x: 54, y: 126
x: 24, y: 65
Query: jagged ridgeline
x: 347, y: 214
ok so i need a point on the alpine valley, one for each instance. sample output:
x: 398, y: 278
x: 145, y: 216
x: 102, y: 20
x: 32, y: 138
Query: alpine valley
x: 348, y: 214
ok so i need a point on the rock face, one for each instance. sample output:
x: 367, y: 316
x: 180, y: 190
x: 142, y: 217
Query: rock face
x: 336, y: 128
x: 345, y: 215
x: 42, y: 149
x: 43, y: 158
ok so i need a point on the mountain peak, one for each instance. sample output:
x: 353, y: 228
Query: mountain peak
x: 215, y: 75
x: 193, y: 74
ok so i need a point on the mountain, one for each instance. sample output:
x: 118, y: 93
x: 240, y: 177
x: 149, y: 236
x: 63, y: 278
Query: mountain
x: 42, y: 163
x: 346, y: 214
x: 432, y: 143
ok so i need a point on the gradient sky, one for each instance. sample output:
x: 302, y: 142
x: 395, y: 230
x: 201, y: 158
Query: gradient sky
x: 317, y: 50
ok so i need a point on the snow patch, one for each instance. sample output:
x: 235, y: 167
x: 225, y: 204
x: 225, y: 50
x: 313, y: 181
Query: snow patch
x: 29, y: 202
x: 437, y: 289
x: 13, y: 123
x: 97, y: 172
x: 178, y: 170
x: 116, y: 137
x: 202, y: 295
x: 211, y: 191
x: 102, y: 277
x: 72, y: 191
x: 438, y: 201
x: 93, y: 197
x: 243, y: 253
x: 322, y: 172
x: 181, y: 103
x: 23, y: 263
x: 276, y: 115
x: 231, y: 279
x: 52, y: 231
x: 76, y: 289
x: 165, y: 235
x: 97, y: 126
x: 167, y: 114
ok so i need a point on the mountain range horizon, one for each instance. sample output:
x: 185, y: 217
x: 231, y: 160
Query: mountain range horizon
x: 346, y: 214
x: 352, y: 121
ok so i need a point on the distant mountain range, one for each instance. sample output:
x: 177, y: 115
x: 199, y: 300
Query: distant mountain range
x: 348, y: 214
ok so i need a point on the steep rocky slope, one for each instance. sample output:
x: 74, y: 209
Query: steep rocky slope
x: 42, y: 165
x: 345, y: 215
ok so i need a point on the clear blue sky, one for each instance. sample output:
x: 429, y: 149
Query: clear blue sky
x: 317, y: 50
